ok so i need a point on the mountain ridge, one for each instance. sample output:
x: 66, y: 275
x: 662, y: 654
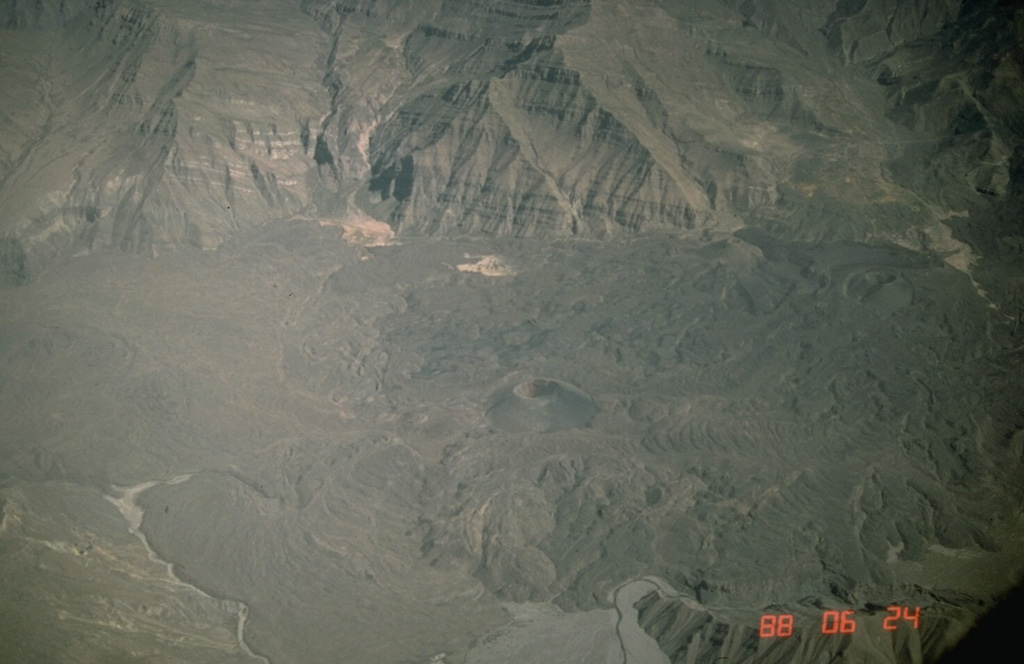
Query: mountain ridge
x: 440, y: 122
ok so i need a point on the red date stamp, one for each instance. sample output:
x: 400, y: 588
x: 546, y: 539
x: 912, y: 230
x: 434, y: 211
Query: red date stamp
x: 781, y: 625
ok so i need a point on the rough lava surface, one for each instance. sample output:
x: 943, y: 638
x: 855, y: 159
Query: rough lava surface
x: 508, y: 330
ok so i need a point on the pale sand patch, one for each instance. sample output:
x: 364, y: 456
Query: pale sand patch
x: 489, y: 266
x: 362, y: 231
x: 938, y: 237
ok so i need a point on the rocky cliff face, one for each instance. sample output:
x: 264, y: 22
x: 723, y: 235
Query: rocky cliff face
x: 130, y: 124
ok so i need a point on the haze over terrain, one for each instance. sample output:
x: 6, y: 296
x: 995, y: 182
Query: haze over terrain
x: 507, y: 331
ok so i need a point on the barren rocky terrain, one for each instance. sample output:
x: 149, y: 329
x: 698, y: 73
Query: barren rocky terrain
x: 507, y: 331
